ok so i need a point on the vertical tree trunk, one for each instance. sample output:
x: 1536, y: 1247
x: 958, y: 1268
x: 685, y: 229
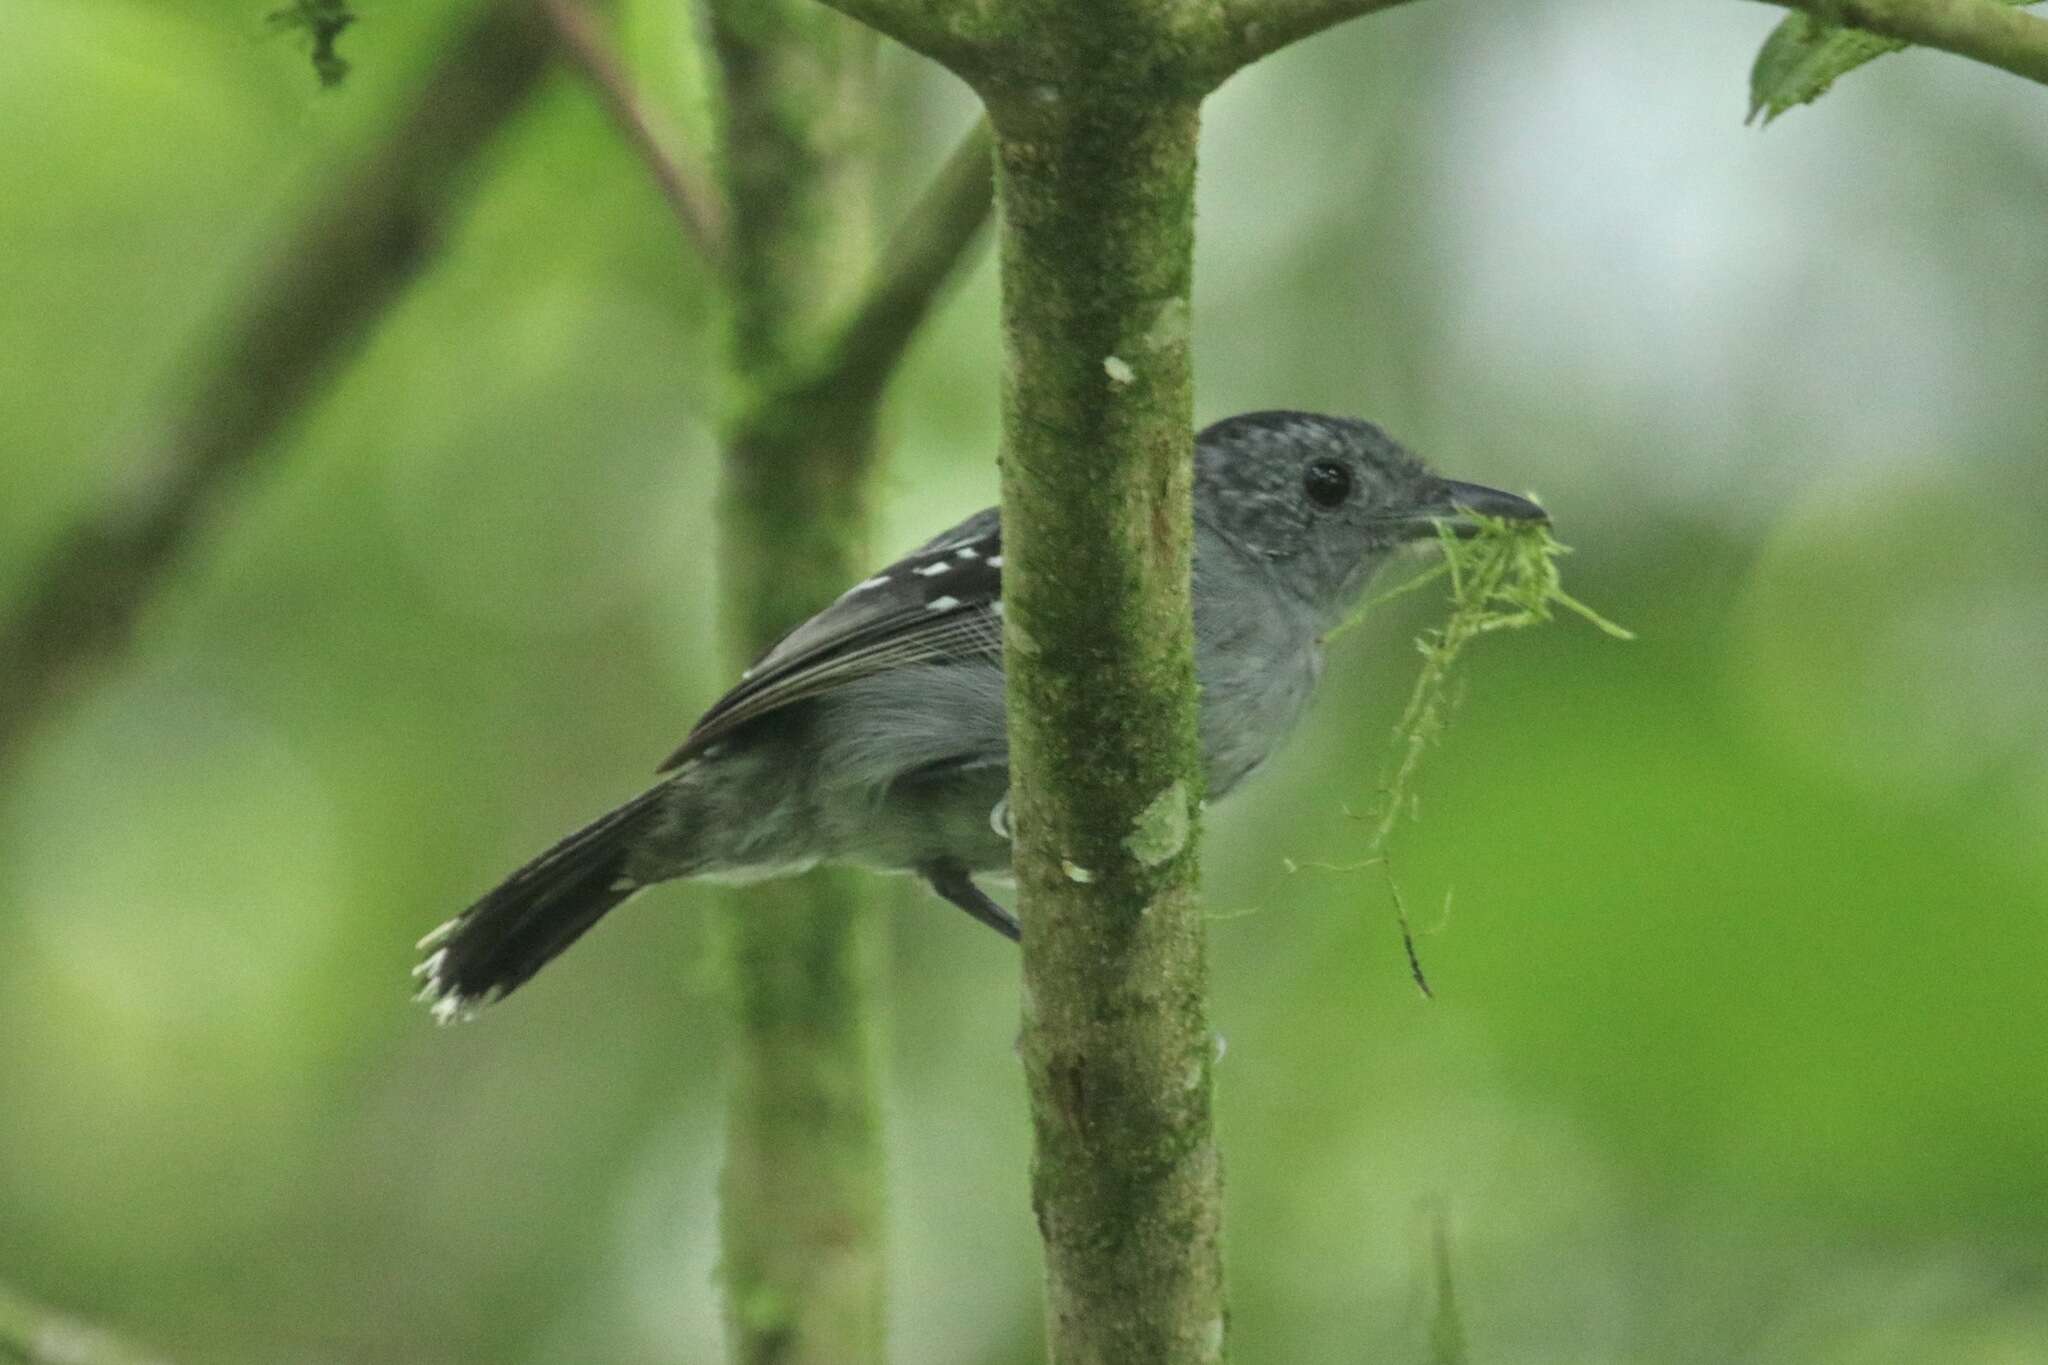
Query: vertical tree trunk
x: 802, y: 1190
x: 1095, y: 182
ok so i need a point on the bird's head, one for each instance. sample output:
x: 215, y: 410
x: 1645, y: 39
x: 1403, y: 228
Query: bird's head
x: 1325, y: 502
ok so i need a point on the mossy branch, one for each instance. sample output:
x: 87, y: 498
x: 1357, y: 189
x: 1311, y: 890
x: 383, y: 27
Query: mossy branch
x: 1990, y: 32
x: 1096, y: 188
x: 305, y: 311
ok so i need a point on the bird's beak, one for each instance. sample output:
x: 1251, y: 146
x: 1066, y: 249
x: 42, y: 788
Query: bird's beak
x: 1447, y: 500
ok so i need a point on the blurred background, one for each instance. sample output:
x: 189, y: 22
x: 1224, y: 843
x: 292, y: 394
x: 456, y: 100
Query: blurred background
x: 1738, y: 1045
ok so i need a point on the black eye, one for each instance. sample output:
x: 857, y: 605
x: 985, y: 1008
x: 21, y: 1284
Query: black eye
x: 1327, y: 483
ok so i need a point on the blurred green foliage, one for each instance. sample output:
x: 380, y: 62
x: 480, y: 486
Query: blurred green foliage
x: 1737, y: 1047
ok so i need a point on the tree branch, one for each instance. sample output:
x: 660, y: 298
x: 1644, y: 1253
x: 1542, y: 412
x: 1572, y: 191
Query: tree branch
x: 1996, y: 34
x: 33, y: 1335
x: 684, y: 183
x: 1259, y: 28
x: 312, y: 303
x: 955, y: 33
x: 801, y: 1206
x: 929, y: 249
x: 1096, y: 172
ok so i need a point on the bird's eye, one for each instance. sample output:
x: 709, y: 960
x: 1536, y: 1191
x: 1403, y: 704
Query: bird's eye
x: 1327, y: 483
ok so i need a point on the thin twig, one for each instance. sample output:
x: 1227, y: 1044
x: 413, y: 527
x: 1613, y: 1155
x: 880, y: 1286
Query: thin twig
x: 681, y: 179
x: 325, y: 287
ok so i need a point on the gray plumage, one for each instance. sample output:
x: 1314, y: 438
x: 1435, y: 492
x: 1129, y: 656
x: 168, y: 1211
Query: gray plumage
x: 873, y: 734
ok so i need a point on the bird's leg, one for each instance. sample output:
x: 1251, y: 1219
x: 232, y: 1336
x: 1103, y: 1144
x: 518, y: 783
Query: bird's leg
x: 951, y: 880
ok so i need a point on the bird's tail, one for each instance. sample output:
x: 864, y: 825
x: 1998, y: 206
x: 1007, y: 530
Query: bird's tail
x: 489, y: 950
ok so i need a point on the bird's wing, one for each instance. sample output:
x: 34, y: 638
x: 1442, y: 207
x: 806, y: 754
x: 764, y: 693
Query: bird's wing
x: 941, y: 601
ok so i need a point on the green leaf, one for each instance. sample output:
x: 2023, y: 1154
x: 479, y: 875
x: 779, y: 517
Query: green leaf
x: 1802, y: 58
x: 1805, y: 55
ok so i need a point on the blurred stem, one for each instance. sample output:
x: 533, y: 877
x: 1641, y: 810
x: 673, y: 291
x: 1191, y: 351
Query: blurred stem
x: 1994, y: 33
x: 819, y: 327
x: 682, y: 182
x: 305, y: 311
x: 1446, y: 1324
x: 928, y: 249
x: 801, y: 1213
x: 33, y: 1335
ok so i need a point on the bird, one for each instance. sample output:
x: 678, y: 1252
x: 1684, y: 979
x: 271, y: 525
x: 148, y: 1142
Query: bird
x: 874, y: 733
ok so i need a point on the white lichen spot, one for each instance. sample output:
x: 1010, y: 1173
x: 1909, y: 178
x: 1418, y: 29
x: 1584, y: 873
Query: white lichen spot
x: 1169, y: 327
x: 1161, y: 829
x: 1118, y: 369
x: 1212, y: 1340
x: 1191, y: 1079
x: 942, y: 604
x: 1222, y: 1047
x: 1046, y: 94
x: 1075, y: 872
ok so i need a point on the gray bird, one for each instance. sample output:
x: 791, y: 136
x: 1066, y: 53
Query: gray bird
x: 873, y: 733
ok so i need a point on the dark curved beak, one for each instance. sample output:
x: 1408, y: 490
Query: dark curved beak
x: 1448, y: 500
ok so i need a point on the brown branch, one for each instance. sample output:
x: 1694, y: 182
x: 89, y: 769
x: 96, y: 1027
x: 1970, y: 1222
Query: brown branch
x: 308, y: 308
x: 682, y: 181
x: 33, y: 1335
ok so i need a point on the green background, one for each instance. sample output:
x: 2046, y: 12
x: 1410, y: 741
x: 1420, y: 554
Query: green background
x: 1738, y: 1048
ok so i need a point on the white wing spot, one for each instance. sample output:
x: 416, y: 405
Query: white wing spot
x: 932, y: 570
x: 995, y: 561
x: 942, y: 604
x: 877, y: 581
x: 996, y: 606
x: 967, y: 552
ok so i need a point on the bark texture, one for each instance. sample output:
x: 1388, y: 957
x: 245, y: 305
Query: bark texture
x: 1096, y: 187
